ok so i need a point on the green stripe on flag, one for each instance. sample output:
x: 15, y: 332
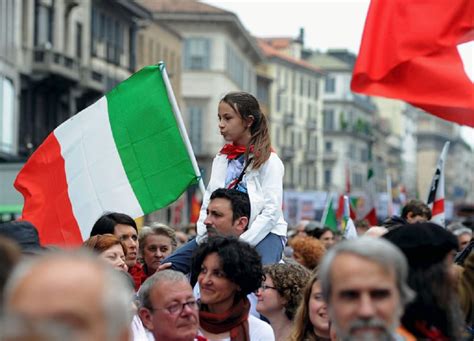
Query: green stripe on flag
x: 148, y: 139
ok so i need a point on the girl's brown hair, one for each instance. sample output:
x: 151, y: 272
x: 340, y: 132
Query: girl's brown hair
x: 302, y: 326
x: 246, y: 105
x: 102, y: 242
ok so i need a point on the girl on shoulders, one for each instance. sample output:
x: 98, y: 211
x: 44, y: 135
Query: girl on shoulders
x: 248, y: 164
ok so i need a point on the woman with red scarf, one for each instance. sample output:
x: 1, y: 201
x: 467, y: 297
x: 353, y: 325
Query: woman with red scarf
x: 248, y: 164
x: 227, y: 270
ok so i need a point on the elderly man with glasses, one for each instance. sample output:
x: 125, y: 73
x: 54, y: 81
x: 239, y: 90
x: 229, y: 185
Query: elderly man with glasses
x: 168, y: 307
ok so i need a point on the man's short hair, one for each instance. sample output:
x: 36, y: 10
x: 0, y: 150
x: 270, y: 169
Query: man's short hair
x: 417, y: 208
x: 162, y: 276
x: 239, y: 201
x: 106, y: 223
x: 117, y: 294
x: 375, y: 250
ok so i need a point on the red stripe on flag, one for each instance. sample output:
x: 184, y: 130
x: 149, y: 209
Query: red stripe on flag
x: 438, y: 207
x: 371, y: 217
x: 42, y: 182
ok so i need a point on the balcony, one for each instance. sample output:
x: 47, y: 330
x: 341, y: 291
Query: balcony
x: 48, y: 62
x: 92, y: 80
x: 330, y: 156
x: 287, y: 153
x: 311, y: 124
x: 288, y: 119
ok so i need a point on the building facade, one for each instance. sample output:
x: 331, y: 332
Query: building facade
x: 348, y: 129
x: 218, y: 56
x: 432, y: 134
x: 295, y: 118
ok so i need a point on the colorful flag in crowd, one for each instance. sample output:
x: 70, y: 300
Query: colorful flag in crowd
x: 348, y: 228
x: 124, y: 153
x: 347, y: 191
x: 196, y: 201
x: 409, y: 51
x: 436, y: 194
x: 368, y: 211
x: 329, y: 215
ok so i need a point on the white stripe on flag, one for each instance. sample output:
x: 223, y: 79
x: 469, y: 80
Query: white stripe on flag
x: 93, y: 168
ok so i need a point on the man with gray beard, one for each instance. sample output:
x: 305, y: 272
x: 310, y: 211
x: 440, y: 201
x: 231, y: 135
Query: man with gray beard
x: 364, y: 284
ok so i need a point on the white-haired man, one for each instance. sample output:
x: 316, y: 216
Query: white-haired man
x: 68, y: 296
x: 363, y: 281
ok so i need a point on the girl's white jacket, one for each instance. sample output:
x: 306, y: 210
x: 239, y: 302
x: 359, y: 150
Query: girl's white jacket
x: 265, y: 190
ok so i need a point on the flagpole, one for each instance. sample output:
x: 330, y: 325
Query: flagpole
x: 182, y: 128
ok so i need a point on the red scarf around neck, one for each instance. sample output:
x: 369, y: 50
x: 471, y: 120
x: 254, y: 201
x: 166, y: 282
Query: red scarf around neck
x: 232, y: 151
x: 234, y: 320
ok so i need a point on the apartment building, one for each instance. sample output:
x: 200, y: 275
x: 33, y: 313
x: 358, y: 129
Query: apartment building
x: 56, y: 57
x: 348, y: 123
x: 218, y: 56
x: 432, y: 134
x: 296, y: 115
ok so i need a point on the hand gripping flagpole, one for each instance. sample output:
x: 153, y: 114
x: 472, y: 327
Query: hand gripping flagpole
x: 182, y: 128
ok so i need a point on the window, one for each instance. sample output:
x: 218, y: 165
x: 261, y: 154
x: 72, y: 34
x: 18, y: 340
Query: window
x: 197, y: 53
x: 7, y: 109
x: 328, y: 146
x: 79, y: 40
x: 327, y: 177
x: 301, y: 85
x: 44, y: 25
x: 328, y: 117
x: 195, y: 128
x: 330, y: 84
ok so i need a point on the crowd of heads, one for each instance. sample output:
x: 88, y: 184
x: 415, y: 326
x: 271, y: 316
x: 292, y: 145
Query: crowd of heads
x: 395, y: 278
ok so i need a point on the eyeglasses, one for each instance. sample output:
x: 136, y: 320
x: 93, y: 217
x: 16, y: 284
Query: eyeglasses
x: 265, y: 287
x: 177, y: 309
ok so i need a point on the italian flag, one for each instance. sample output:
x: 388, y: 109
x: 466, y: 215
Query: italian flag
x: 329, y: 215
x: 125, y: 153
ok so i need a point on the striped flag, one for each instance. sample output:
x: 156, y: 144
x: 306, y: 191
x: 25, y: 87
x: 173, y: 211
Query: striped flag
x: 125, y: 153
x: 348, y: 228
x: 368, y: 211
x: 329, y: 215
x: 436, y: 194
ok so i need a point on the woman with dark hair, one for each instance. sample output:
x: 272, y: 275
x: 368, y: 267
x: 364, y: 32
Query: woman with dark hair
x: 227, y: 270
x: 109, y: 248
x: 435, y: 313
x: 280, y: 294
x: 311, y: 322
x: 325, y: 236
x: 124, y: 228
x: 248, y: 164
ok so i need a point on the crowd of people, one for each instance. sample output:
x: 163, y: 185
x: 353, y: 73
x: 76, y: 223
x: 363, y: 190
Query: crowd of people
x: 245, y: 275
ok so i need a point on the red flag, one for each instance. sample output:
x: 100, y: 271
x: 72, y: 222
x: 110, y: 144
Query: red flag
x: 195, y: 207
x: 409, y: 52
x: 347, y: 192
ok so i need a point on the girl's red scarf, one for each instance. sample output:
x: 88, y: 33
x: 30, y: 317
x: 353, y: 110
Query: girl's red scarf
x: 235, y: 321
x: 232, y: 151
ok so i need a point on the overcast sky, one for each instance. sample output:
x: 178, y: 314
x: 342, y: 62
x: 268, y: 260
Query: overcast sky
x: 327, y: 24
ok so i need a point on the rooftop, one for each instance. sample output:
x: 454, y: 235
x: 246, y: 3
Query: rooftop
x: 269, y: 51
x: 181, y: 6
